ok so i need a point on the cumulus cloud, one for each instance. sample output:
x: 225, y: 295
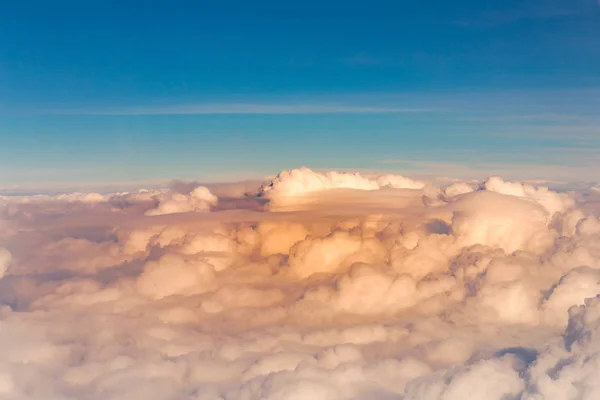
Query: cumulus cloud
x: 5, y: 258
x: 173, y: 275
x: 500, y: 221
x: 294, y: 186
x: 553, y: 202
x: 378, y: 287
x: 66, y: 197
x: 200, y: 199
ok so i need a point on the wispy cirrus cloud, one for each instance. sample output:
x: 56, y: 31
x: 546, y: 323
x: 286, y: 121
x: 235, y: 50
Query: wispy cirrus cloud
x: 547, y: 117
x: 240, y: 109
x: 567, y: 164
x: 543, y: 172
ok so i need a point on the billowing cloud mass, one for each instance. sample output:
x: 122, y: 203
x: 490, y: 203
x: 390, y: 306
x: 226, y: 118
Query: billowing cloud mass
x: 320, y: 286
x: 5, y: 258
x: 295, y: 186
x: 200, y: 199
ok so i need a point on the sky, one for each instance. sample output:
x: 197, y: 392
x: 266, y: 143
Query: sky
x: 143, y: 91
x: 322, y: 219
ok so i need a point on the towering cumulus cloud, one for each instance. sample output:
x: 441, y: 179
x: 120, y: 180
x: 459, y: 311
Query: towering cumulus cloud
x: 200, y: 199
x: 344, y: 286
x: 296, y: 186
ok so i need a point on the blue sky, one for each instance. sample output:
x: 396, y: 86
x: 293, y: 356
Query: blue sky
x: 135, y: 91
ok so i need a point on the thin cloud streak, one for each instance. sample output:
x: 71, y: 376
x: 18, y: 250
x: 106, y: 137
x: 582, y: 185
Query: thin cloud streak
x: 543, y: 117
x: 586, y: 171
x: 232, y: 109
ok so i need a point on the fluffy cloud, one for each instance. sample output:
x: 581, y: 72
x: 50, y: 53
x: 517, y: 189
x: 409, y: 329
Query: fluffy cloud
x: 489, y: 379
x: 200, y: 199
x: 5, y: 258
x: 501, y: 221
x: 385, y: 288
x: 294, y: 186
x: 173, y: 275
x: 553, y: 202
x: 569, y: 370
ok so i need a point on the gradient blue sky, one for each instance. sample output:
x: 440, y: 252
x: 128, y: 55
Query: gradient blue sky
x: 134, y: 91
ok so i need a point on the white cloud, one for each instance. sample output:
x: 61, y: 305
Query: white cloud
x: 296, y: 186
x: 5, y: 258
x: 200, y: 199
x: 385, y: 287
x: 553, y: 202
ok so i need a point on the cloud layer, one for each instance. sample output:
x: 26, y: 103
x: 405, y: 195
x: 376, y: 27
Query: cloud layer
x: 322, y: 286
